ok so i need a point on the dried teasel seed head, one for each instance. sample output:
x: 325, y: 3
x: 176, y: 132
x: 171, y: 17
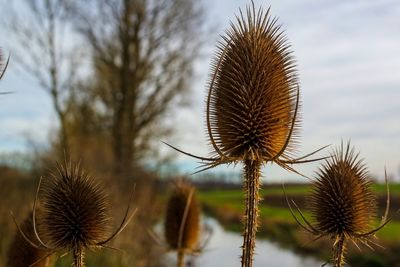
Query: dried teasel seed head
x: 182, y: 222
x: 75, y: 209
x: 342, y: 202
x: 21, y: 253
x: 254, y: 89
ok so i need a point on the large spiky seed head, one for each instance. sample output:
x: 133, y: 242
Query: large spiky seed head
x: 342, y: 201
x: 253, y: 99
x: 75, y: 209
x: 21, y: 253
x: 183, y: 194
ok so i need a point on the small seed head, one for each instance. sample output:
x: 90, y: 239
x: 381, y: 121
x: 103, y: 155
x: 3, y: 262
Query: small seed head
x: 342, y: 201
x: 76, y: 209
x: 183, y: 194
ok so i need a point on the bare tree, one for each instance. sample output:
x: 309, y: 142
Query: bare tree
x: 38, y: 31
x: 142, y: 55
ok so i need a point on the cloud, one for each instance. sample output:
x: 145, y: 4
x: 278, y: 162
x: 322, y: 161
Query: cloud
x: 19, y: 131
x: 25, y: 114
x: 348, y: 55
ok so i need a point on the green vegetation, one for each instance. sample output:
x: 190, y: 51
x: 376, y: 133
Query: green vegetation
x: 233, y: 200
x: 298, y: 189
x: 381, y: 189
x: 277, y: 223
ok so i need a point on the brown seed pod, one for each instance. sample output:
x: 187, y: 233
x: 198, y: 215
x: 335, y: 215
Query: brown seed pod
x: 253, y: 97
x: 76, y: 209
x: 21, y: 253
x: 182, y: 221
x: 75, y: 214
x: 342, y: 203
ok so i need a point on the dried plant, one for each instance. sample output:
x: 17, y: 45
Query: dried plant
x: 342, y: 203
x: 21, y: 253
x: 75, y: 213
x: 182, y: 230
x: 182, y: 221
x: 252, y: 107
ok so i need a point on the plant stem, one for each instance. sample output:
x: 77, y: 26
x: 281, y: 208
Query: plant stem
x: 339, y: 249
x: 181, y: 258
x: 251, y: 185
x: 78, y: 257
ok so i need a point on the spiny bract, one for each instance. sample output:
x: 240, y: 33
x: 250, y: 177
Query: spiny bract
x: 183, y: 197
x: 254, y: 87
x: 342, y: 201
x: 76, y: 209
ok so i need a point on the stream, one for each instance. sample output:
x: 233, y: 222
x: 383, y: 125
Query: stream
x: 223, y: 249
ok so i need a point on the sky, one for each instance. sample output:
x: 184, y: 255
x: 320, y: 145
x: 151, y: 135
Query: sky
x: 348, y: 60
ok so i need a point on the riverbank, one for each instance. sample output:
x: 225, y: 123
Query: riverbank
x: 223, y: 249
x: 278, y: 225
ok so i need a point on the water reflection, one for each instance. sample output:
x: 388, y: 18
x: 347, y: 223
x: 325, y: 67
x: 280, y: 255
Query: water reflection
x: 223, y: 249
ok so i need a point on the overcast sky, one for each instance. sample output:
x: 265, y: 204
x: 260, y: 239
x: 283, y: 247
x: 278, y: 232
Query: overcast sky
x: 348, y: 57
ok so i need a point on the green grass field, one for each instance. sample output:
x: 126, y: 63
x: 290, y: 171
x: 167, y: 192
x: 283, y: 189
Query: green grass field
x: 232, y: 201
x: 290, y: 190
x: 277, y: 223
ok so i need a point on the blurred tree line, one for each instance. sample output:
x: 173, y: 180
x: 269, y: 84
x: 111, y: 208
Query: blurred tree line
x: 114, y: 70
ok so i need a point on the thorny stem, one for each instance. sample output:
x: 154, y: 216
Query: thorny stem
x: 339, y: 249
x: 78, y: 257
x: 251, y: 185
x: 181, y: 258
